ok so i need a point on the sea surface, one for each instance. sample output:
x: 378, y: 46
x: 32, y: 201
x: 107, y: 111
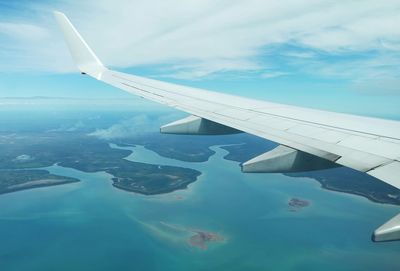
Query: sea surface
x: 93, y: 226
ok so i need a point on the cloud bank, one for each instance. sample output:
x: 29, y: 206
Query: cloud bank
x: 354, y: 40
x: 138, y: 125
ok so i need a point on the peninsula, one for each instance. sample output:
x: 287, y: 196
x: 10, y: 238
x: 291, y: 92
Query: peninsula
x: 16, y: 180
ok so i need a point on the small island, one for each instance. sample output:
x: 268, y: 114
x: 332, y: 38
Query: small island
x: 201, y: 238
x: 296, y: 204
x: 193, y: 237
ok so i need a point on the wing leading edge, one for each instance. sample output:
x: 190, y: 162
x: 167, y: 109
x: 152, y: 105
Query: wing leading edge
x: 369, y: 145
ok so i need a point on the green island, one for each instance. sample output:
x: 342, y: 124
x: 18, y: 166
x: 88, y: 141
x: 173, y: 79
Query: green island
x: 150, y: 179
x: 87, y: 154
x: 15, y: 180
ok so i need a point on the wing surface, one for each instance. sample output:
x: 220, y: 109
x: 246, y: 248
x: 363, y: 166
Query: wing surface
x: 370, y: 145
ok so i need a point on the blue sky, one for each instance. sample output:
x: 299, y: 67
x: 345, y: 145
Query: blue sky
x: 335, y: 55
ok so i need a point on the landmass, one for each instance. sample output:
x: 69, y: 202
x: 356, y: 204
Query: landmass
x: 89, y: 154
x: 350, y: 181
x: 16, y: 180
x: 152, y: 179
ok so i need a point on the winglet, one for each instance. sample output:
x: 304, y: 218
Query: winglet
x: 85, y: 59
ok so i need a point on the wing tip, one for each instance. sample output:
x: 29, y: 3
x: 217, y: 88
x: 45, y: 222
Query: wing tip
x: 85, y: 59
x: 59, y: 15
x: 57, y: 12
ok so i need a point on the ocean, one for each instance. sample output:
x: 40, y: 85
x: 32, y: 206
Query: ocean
x: 93, y: 226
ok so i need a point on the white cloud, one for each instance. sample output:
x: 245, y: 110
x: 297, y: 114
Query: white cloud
x: 137, y: 125
x: 70, y: 127
x: 206, y: 37
x: 23, y: 32
x: 273, y: 74
x: 200, y: 69
x: 378, y: 74
x: 31, y: 47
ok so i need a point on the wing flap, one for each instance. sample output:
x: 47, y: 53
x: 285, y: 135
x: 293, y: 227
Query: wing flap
x: 388, y: 173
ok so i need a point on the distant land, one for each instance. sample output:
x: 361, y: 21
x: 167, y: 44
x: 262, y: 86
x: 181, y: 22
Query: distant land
x: 41, y: 98
x: 45, y: 103
x: 61, y: 98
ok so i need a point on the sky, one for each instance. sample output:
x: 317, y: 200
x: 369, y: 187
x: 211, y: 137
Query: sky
x: 335, y: 55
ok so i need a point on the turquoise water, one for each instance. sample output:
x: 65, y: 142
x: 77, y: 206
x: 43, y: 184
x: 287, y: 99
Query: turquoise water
x: 93, y: 226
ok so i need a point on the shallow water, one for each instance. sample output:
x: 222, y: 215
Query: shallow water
x: 93, y: 226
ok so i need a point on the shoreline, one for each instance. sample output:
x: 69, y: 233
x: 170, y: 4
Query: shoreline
x: 33, y: 186
x: 355, y: 193
x: 152, y: 193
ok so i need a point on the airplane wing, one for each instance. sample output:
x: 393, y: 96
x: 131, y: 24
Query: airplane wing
x: 309, y: 139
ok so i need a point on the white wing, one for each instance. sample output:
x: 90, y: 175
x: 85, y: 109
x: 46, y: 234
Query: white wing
x: 369, y: 145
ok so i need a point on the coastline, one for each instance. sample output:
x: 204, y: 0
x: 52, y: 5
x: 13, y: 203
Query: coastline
x: 141, y: 191
x: 37, y: 186
x: 330, y: 179
x: 352, y: 192
x: 13, y: 180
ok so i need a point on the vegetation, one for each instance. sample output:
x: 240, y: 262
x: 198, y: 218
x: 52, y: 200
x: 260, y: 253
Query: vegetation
x: 88, y: 154
x: 151, y: 179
